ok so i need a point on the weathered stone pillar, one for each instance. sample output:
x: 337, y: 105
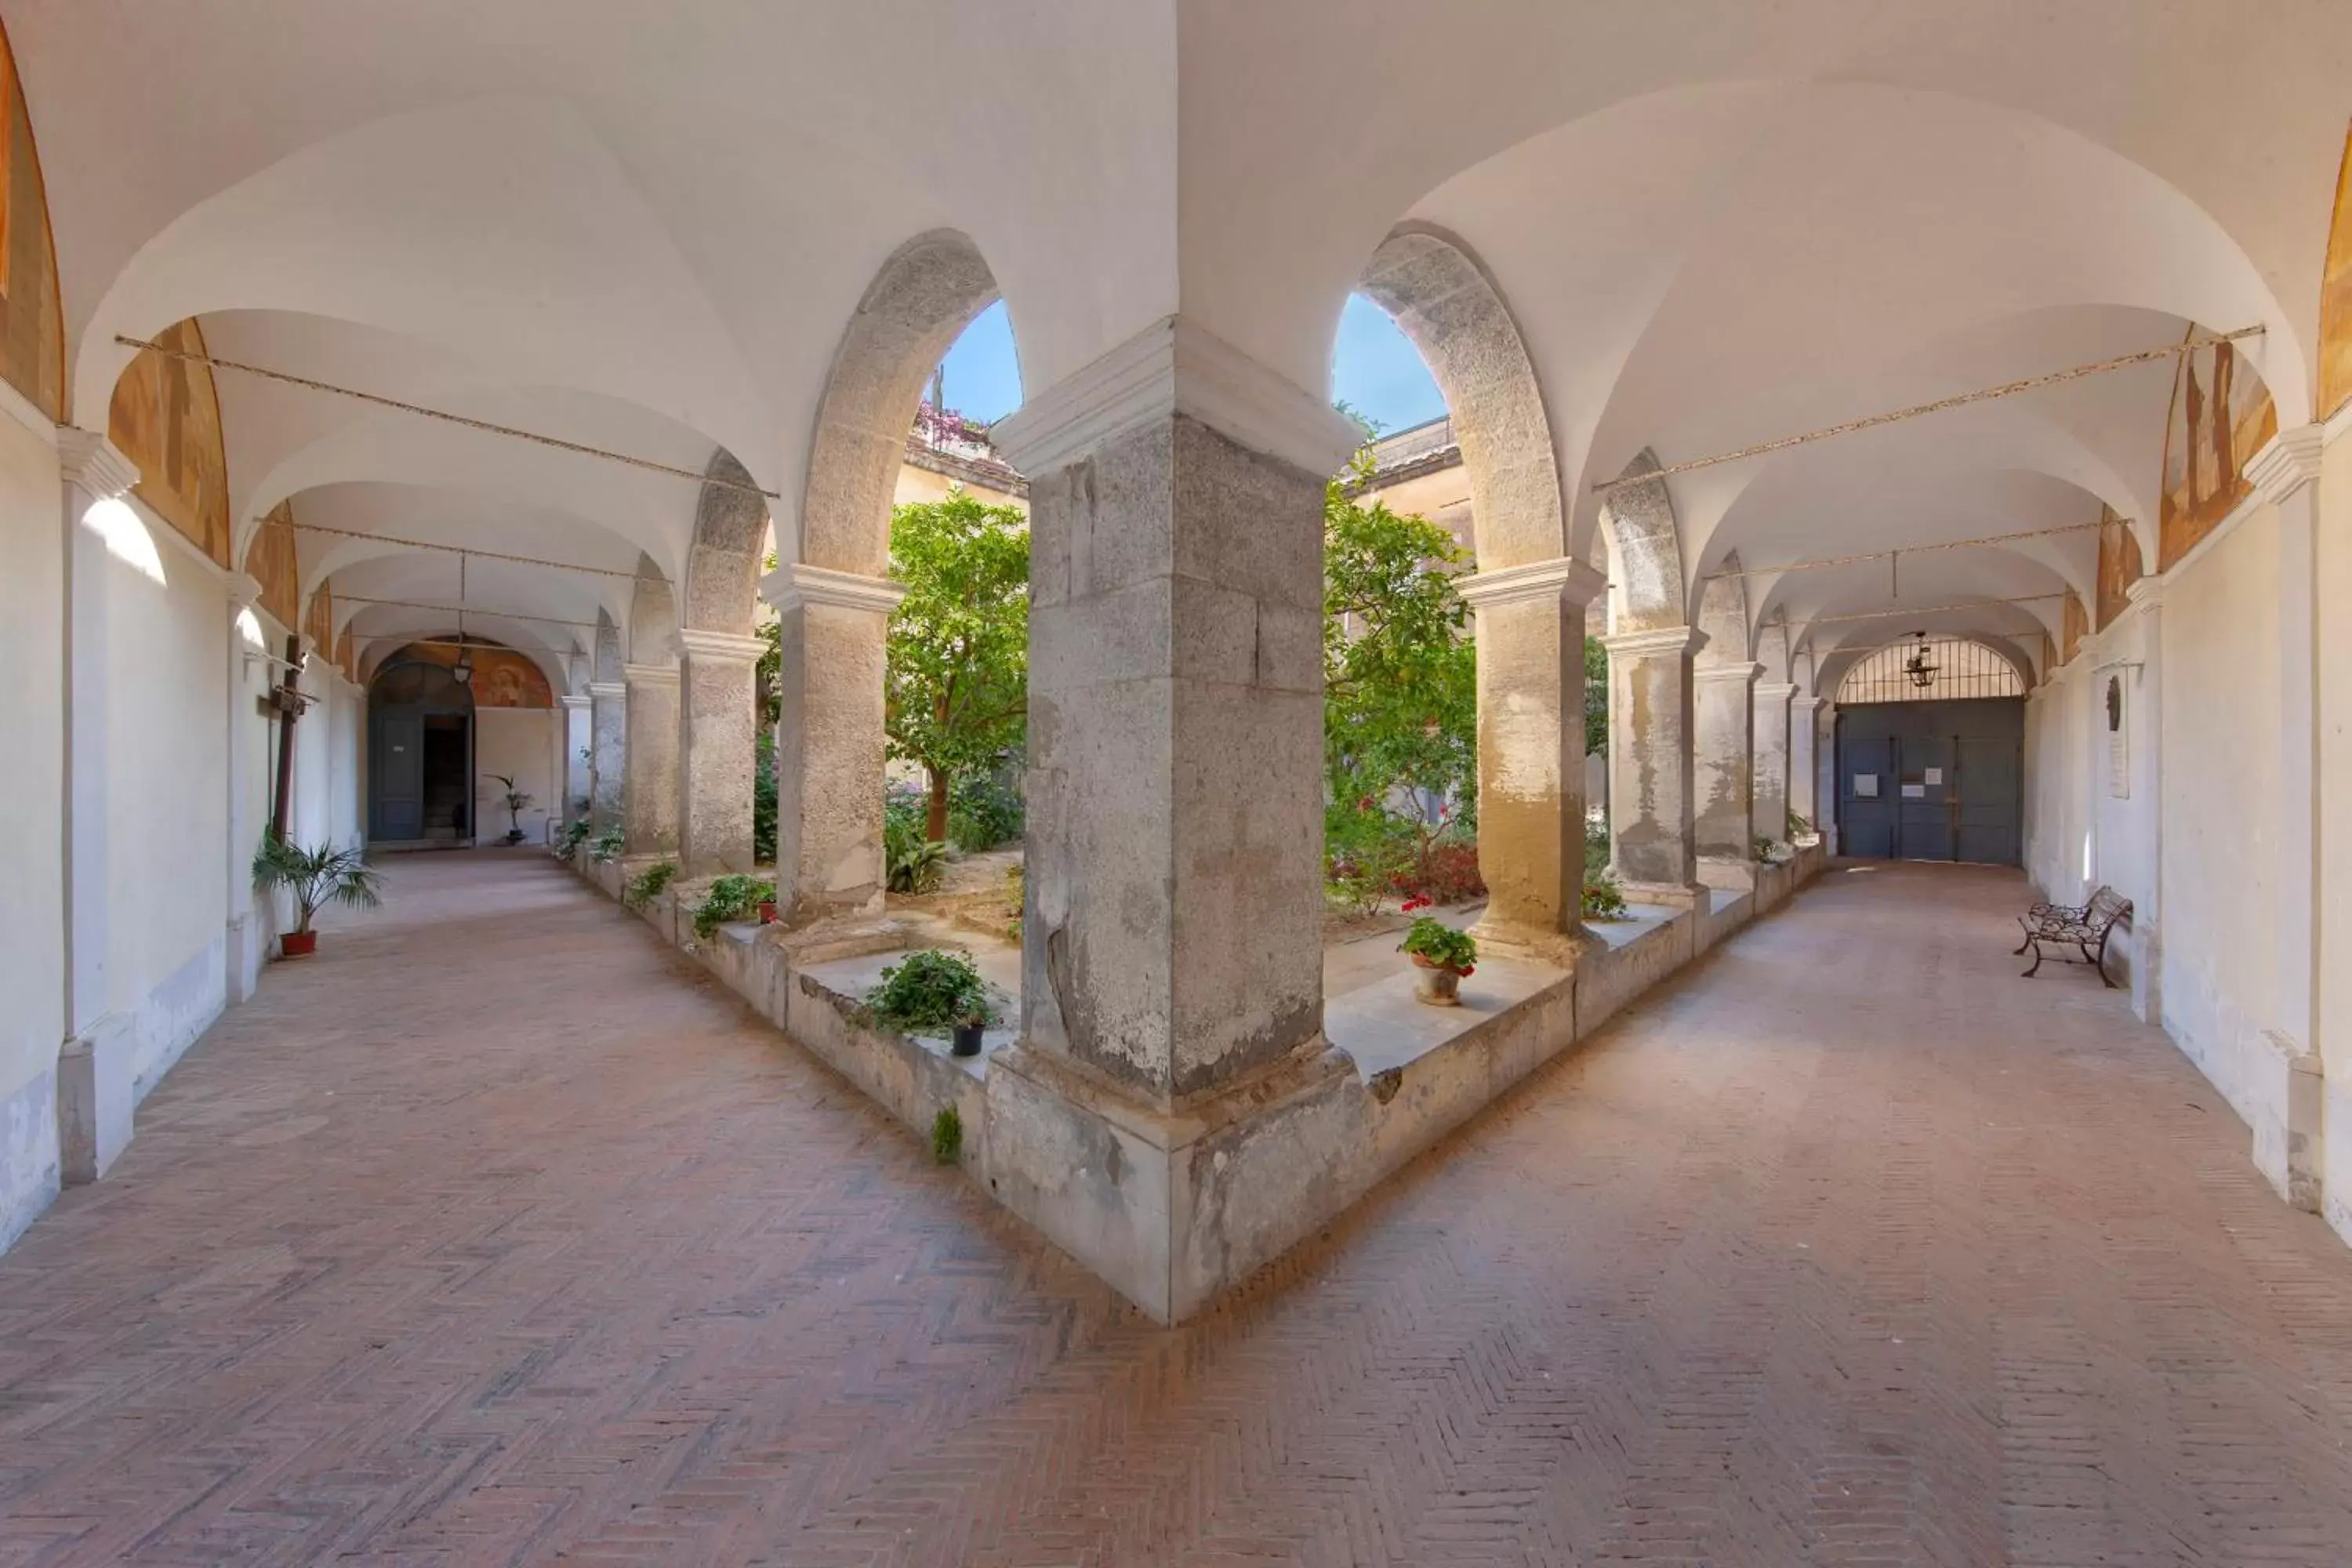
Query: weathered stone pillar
x: 608, y: 750
x: 1652, y: 797
x: 95, y: 1084
x: 1530, y: 632
x: 1173, y: 952
x: 718, y: 742
x: 576, y: 736
x: 1804, y: 759
x: 830, y: 745
x: 1723, y: 758
x: 1775, y: 749
x: 649, y: 761
x: 2291, y: 1150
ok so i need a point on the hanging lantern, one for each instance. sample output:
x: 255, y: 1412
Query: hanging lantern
x: 1919, y: 667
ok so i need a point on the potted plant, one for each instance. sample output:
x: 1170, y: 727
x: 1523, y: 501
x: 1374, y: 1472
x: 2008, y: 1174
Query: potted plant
x: 964, y: 1036
x: 1441, y: 956
x: 516, y: 802
x: 928, y: 991
x: 768, y: 909
x: 315, y: 877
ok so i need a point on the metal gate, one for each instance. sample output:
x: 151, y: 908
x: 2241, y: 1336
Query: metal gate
x: 1932, y: 781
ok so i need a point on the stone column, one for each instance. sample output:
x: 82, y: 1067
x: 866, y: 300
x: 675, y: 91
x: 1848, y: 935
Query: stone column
x: 718, y: 742
x: 1530, y: 632
x: 1723, y: 757
x: 1775, y: 752
x: 575, y: 775
x: 95, y: 1086
x: 1804, y: 759
x: 1654, y: 845
x: 830, y: 745
x: 1172, y: 951
x: 248, y: 928
x: 2292, y: 1152
x: 608, y: 750
x: 649, y: 764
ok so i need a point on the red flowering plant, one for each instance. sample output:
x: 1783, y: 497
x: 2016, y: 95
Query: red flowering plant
x: 1439, y: 946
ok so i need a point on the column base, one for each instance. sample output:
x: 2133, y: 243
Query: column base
x: 1521, y: 941
x: 1173, y: 1208
x: 97, y: 1092
x: 2288, y: 1147
x: 1664, y: 894
x: 1733, y: 876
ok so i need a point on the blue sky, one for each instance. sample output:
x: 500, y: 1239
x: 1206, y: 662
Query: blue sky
x: 1373, y: 368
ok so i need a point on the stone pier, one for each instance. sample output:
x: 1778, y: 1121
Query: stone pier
x: 1723, y: 756
x: 1652, y: 793
x: 718, y: 742
x: 649, y: 760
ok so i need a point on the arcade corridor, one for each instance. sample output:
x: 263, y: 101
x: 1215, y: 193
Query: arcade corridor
x: 497, y: 1233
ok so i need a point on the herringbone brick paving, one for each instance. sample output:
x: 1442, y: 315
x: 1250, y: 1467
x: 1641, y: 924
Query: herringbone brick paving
x: 498, y: 1234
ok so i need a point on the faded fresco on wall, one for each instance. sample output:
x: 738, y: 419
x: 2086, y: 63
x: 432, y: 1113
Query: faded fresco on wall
x: 32, y: 323
x: 2073, y: 627
x: 2336, y: 298
x: 2119, y: 565
x: 270, y: 560
x: 2221, y: 415
x: 166, y: 418
x: 502, y: 677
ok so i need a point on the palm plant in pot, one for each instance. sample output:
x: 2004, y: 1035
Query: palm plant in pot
x: 1441, y: 956
x: 314, y: 878
x: 517, y: 802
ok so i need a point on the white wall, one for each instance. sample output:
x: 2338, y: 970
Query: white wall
x: 167, y: 791
x: 32, y: 870
x: 2335, y: 813
x: 521, y: 744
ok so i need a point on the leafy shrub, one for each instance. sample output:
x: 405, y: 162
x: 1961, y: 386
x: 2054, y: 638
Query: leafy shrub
x: 1440, y: 946
x: 1770, y: 851
x: 916, y: 862
x: 763, y: 798
x: 1596, y: 850
x: 575, y: 834
x: 1798, y: 826
x: 648, y: 884
x: 1016, y: 893
x: 1366, y: 853
x: 947, y: 1136
x: 1447, y: 873
x: 730, y: 898
x: 607, y: 846
x: 984, y: 814
x: 1603, y: 899
x: 931, y: 991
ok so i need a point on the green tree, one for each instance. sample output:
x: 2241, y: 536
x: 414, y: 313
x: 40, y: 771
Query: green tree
x: 958, y: 678
x: 1596, y: 697
x: 1399, y: 671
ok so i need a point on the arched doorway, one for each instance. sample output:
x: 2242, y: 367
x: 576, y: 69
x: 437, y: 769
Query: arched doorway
x: 421, y: 749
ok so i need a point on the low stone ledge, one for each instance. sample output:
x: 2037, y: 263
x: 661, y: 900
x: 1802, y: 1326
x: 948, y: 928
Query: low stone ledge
x: 1723, y: 913
x: 1627, y: 957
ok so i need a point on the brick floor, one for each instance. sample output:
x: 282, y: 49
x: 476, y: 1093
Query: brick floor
x: 498, y: 1234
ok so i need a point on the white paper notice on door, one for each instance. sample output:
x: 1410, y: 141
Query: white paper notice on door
x: 1934, y: 776
x: 1915, y: 792
x: 1865, y: 786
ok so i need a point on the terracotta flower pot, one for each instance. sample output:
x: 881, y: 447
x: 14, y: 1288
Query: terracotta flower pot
x: 768, y: 913
x: 1439, y: 988
x: 297, y: 944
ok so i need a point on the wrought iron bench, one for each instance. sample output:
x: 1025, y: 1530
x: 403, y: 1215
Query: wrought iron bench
x: 2081, y: 926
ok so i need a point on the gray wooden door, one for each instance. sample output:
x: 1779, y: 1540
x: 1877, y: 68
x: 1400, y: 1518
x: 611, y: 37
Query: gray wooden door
x: 396, y: 759
x: 1932, y: 781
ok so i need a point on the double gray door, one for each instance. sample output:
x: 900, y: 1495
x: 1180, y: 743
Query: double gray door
x: 1932, y: 781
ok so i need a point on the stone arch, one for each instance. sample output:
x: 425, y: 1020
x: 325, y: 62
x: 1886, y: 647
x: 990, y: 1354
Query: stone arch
x: 1645, y: 552
x: 1445, y: 302
x: 921, y: 299
x: 606, y: 666
x: 653, y: 616
x: 722, y: 563
x: 1723, y: 616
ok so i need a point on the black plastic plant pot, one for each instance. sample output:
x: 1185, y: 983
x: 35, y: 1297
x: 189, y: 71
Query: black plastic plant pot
x: 964, y: 1040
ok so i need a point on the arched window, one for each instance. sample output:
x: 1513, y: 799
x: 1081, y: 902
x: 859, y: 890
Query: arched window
x: 1930, y: 669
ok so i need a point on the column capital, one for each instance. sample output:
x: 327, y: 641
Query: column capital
x: 575, y: 702
x: 649, y: 674
x: 1810, y: 704
x: 719, y: 648
x: 617, y: 690
x: 1654, y: 644
x: 1169, y: 368
x: 91, y: 462
x: 796, y: 584
x: 1727, y: 672
x: 243, y: 590
x: 2287, y: 462
x: 1566, y: 580
x: 1776, y: 690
